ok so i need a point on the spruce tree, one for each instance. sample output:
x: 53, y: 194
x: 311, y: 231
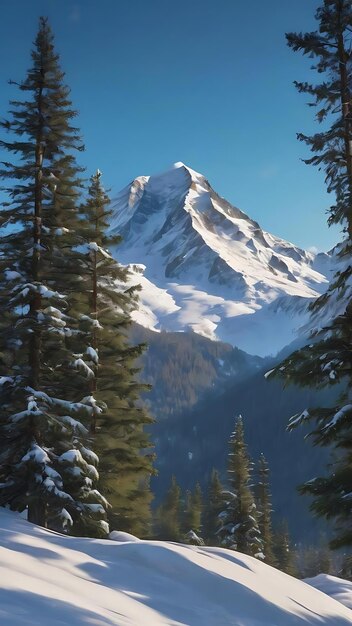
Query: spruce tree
x: 118, y: 427
x: 45, y: 460
x: 313, y: 560
x: 324, y: 564
x: 346, y: 567
x: 192, y: 515
x: 264, y: 509
x: 239, y: 527
x: 168, y: 515
x: 213, y: 505
x: 285, y: 556
x: 327, y: 359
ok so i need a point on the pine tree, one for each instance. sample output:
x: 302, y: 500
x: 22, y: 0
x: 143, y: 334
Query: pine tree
x: 239, y: 527
x: 327, y: 360
x: 192, y: 515
x: 283, y: 552
x: 118, y: 427
x: 324, y: 564
x: 346, y: 568
x: 45, y: 460
x: 330, y: 46
x: 313, y: 560
x: 213, y: 505
x: 264, y: 510
x: 168, y: 516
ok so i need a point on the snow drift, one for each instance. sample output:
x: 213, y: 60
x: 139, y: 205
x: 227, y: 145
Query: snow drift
x: 205, y: 266
x: 47, y: 578
x: 335, y: 587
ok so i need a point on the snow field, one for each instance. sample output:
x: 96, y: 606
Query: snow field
x: 334, y: 587
x: 51, y: 579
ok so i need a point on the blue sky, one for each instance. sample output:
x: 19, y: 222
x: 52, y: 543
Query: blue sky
x: 206, y: 82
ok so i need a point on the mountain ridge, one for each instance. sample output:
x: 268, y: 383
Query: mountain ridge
x: 204, y: 265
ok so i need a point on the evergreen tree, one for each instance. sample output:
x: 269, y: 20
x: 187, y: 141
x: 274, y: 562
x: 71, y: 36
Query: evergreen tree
x: 327, y: 360
x: 239, y: 527
x: 264, y: 510
x: 192, y: 516
x: 330, y: 47
x: 168, y: 516
x: 313, y: 560
x: 187, y: 513
x: 324, y: 559
x: 45, y: 460
x: 118, y: 427
x: 283, y: 552
x: 214, y: 504
x: 346, y: 568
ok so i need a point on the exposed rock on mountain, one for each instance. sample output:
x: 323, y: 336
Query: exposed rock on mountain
x: 205, y: 266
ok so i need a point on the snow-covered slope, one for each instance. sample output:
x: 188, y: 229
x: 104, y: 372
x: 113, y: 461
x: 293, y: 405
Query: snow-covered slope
x: 205, y: 265
x: 336, y: 588
x: 49, y: 579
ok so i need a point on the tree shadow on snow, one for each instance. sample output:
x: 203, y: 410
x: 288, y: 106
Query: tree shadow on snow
x: 186, y: 592
x: 156, y: 576
x: 24, y: 608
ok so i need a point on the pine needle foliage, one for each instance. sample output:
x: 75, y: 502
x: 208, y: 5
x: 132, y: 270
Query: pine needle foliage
x: 264, y: 509
x: 239, y: 528
x: 330, y: 48
x: 326, y: 360
x: 192, y: 514
x: 45, y: 460
x: 213, y: 505
x: 168, y: 514
x: 284, y: 554
x: 119, y: 424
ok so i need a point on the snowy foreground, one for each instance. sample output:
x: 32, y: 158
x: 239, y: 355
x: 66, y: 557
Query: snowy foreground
x: 334, y: 587
x: 49, y: 579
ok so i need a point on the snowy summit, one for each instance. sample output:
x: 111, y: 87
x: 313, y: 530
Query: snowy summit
x: 205, y: 266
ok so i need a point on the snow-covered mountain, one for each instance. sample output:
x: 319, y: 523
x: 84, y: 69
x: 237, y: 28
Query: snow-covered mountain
x: 206, y: 266
x: 51, y: 579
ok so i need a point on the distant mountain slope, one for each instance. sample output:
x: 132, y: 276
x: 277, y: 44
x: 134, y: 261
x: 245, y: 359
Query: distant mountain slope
x: 199, y: 386
x: 182, y: 367
x: 205, y: 266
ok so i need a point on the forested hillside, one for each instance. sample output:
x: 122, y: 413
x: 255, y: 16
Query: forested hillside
x: 181, y: 367
x: 191, y: 443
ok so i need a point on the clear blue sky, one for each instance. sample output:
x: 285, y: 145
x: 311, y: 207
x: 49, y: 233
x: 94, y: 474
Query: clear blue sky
x: 206, y: 82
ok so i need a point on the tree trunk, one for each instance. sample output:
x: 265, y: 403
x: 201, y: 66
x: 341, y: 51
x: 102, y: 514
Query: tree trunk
x: 37, y: 512
x: 94, y: 309
x: 36, y: 507
x: 34, y: 345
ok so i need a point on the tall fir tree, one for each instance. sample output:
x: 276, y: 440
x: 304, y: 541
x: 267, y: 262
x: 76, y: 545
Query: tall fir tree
x: 168, y: 514
x: 264, y: 509
x: 45, y: 460
x: 213, y: 505
x: 284, y: 554
x: 327, y: 359
x: 239, y: 528
x: 346, y: 567
x: 313, y: 560
x: 119, y: 426
x: 192, y: 515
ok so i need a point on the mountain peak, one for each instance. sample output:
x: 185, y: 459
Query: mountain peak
x: 194, y: 175
x: 209, y: 267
